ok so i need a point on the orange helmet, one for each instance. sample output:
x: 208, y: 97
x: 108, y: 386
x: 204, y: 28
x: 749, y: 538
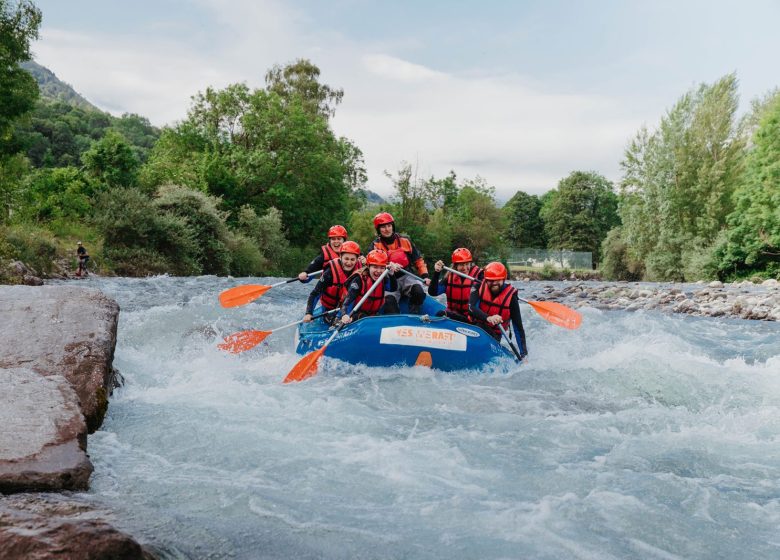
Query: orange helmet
x: 383, y: 218
x: 377, y: 257
x: 337, y: 231
x: 495, y: 271
x: 350, y: 247
x: 461, y: 255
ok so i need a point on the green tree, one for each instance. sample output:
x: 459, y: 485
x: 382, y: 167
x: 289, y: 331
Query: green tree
x: 111, y: 161
x: 678, y: 181
x: 753, y: 237
x: 301, y: 80
x: 13, y: 170
x: 18, y: 90
x: 525, y: 227
x: 581, y: 213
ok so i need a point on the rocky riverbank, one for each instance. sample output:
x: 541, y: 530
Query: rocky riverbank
x: 739, y: 300
x: 56, y: 352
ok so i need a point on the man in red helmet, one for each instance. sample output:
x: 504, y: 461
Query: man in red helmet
x: 331, y: 287
x: 402, y: 251
x: 457, y: 288
x: 336, y: 236
x: 362, y: 280
x: 494, y: 302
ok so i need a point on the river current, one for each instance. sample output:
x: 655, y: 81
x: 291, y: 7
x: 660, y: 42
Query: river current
x: 640, y: 435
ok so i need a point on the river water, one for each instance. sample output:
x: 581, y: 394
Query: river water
x: 640, y: 435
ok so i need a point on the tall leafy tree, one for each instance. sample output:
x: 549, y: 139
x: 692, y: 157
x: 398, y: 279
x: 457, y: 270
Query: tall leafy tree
x: 525, y: 227
x: 753, y: 238
x: 581, y: 213
x: 678, y: 181
x: 111, y: 161
x: 19, y: 25
x: 301, y: 80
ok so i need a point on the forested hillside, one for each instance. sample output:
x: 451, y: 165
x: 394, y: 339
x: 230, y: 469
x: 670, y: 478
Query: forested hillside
x: 249, y: 182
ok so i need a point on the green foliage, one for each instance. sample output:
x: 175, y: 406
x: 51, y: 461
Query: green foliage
x: 56, y: 193
x: 57, y: 134
x: 299, y: 81
x: 13, y: 171
x: 18, y: 91
x: 140, y: 240
x: 678, y: 181
x: 525, y: 227
x: 34, y: 246
x: 206, y: 225
x: 111, y: 161
x: 617, y: 262
x: 265, y: 148
x: 579, y: 215
x: 753, y: 239
x: 266, y: 232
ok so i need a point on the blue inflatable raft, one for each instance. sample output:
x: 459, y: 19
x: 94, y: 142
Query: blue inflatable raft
x: 405, y: 340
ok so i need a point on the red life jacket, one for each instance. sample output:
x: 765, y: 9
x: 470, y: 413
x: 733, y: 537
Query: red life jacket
x: 329, y: 253
x: 374, y: 302
x: 458, y: 290
x: 332, y: 296
x: 399, y: 251
x: 498, y: 305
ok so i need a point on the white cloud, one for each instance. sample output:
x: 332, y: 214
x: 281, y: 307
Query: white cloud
x: 502, y: 127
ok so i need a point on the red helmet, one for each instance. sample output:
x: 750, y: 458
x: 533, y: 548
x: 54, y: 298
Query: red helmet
x: 349, y: 247
x: 383, y: 218
x: 377, y: 257
x: 337, y: 231
x: 399, y: 257
x: 495, y: 271
x: 461, y: 255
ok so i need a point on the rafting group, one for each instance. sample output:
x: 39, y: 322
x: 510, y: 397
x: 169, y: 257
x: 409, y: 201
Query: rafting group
x: 375, y: 310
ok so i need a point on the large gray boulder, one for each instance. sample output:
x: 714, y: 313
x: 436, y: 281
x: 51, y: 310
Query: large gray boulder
x: 43, y: 436
x: 43, y: 526
x: 62, y: 330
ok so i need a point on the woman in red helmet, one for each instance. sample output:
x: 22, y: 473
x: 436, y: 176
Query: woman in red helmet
x: 331, y: 287
x: 362, y: 280
x: 494, y: 302
x: 457, y: 288
x: 402, y: 251
x: 336, y: 236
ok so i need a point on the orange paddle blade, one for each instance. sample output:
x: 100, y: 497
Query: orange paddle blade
x: 242, y: 341
x: 240, y: 295
x: 557, y: 314
x: 306, y: 366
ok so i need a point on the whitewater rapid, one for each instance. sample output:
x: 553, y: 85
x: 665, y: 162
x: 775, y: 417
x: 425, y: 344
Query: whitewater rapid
x: 640, y: 435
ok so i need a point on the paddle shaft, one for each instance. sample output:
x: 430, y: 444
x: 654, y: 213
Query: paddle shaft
x: 358, y: 305
x: 299, y: 321
x: 296, y: 279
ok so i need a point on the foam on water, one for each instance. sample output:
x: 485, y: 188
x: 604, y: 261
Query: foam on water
x: 640, y: 435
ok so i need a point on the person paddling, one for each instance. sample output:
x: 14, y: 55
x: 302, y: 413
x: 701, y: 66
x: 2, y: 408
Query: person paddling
x: 402, y: 251
x: 331, y: 287
x: 361, y: 281
x: 336, y: 236
x: 457, y: 288
x: 493, y: 303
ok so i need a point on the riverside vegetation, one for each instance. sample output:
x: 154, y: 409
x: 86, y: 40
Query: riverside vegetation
x: 250, y: 180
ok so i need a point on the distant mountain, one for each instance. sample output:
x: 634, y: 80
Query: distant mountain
x: 51, y: 87
x: 373, y: 198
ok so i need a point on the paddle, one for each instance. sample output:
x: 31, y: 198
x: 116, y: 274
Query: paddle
x: 240, y: 295
x: 509, y: 341
x: 246, y: 340
x: 555, y: 313
x: 307, y: 366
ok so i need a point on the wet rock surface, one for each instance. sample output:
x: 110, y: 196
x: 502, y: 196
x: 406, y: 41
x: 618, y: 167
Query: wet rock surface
x: 56, y: 352
x: 739, y: 300
x: 62, y: 330
x: 43, y: 436
x: 43, y: 526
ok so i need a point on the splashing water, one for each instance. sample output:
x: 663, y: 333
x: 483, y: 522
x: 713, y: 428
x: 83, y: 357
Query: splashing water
x: 641, y: 435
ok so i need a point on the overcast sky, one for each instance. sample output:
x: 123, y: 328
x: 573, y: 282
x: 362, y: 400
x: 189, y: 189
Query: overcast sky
x: 520, y: 93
